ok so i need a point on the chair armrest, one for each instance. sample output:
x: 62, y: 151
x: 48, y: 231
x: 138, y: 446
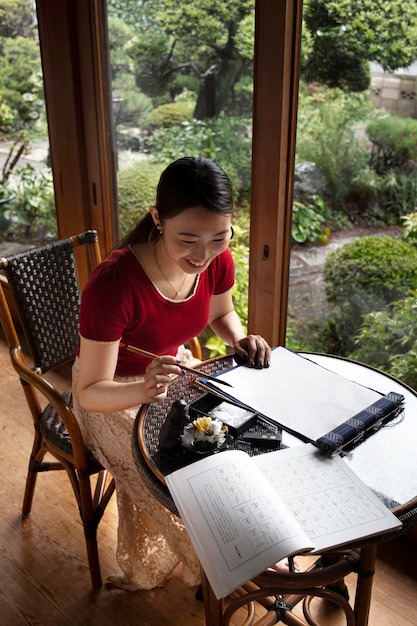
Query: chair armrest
x: 54, y: 397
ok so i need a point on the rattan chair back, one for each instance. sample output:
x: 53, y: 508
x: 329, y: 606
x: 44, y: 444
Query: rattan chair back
x: 45, y: 294
x: 45, y: 289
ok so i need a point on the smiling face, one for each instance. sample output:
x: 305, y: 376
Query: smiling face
x: 193, y: 238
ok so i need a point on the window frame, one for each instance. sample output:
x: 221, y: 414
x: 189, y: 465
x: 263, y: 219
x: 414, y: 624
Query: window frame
x: 76, y: 67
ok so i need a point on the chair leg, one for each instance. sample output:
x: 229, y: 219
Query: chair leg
x: 36, y: 457
x: 91, y: 510
x: 90, y: 518
x: 364, y: 584
x: 29, y: 491
x: 90, y: 531
x: 93, y: 561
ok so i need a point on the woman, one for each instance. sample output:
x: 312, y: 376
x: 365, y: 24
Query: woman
x: 170, y: 277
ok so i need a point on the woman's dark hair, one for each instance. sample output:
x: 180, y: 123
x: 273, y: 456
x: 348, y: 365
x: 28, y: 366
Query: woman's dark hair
x: 186, y: 183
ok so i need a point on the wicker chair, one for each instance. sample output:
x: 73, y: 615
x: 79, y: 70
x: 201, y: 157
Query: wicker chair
x: 46, y: 295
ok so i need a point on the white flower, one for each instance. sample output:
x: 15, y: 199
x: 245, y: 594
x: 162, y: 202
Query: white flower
x: 208, y: 430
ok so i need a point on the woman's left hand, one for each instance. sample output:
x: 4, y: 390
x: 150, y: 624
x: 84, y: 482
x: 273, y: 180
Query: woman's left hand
x: 254, y: 350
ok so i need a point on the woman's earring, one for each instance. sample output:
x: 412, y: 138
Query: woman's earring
x: 233, y: 232
x: 155, y: 234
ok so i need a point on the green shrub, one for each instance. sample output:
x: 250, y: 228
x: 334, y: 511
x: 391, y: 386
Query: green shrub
x: 136, y: 192
x: 409, y: 233
x: 387, y: 340
x: 394, y: 143
x: 225, y: 139
x: 33, y: 209
x: 307, y: 222
x: 171, y: 114
x: 366, y: 275
x: 329, y: 134
x: 398, y: 193
x: 240, y: 250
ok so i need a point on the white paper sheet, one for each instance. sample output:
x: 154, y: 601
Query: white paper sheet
x: 298, y: 394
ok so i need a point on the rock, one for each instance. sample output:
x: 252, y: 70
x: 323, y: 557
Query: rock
x: 309, y: 181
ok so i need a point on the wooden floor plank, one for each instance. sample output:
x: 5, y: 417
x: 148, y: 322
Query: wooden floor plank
x: 43, y: 566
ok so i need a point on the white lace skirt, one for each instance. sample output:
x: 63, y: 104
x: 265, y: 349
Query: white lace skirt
x: 151, y: 540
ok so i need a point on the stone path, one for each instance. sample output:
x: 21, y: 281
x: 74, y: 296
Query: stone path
x: 37, y: 156
x: 306, y: 296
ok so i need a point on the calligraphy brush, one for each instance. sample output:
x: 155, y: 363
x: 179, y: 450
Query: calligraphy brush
x: 185, y: 368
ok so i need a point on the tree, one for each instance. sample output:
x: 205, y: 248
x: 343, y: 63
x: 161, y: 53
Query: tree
x: 341, y: 37
x: 21, y: 84
x: 132, y: 105
x: 17, y: 17
x: 206, y: 46
x: 192, y: 44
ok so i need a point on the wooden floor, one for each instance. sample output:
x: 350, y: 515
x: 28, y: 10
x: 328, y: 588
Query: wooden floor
x: 43, y: 570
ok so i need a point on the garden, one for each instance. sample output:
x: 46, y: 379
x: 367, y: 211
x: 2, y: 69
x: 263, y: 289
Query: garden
x: 356, y: 166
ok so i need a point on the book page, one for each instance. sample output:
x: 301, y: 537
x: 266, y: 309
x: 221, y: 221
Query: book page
x: 297, y: 393
x: 235, y: 522
x: 328, y: 500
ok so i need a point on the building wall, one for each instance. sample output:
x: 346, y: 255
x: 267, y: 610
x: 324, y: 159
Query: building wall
x: 395, y: 92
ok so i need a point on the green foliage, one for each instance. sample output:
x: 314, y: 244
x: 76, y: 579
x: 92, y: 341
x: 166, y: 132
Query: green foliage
x: 34, y: 204
x: 179, y: 45
x: 387, y: 340
x: 136, y: 192
x: 369, y: 159
x: 366, y: 275
x: 293, y: 341
x: 344, y: 67
x: 21, y: 85
x: 328, y: 131
x: 171, y: 114
x: 16, y: 18
x: 307, y: 222
x: 398, y: 193
x: 394, y: 143
x: 21, y: 99
x: 6, y: 116
x: 182, y: 41
x: 225, y: 139
x: 240, y: 250
x: 341, y: 37
x: 216, y: 346
x: 131, y: 106
x: 409, y: 233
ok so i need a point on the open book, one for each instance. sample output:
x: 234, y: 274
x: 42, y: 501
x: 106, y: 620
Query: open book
x: 244, y: 513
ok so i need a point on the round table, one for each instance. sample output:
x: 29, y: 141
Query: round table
x: 384, y: 461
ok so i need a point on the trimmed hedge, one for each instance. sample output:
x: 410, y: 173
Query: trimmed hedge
x: 137, y: 192
x: 171, y: 114
x: 366, y: 275
x: 394, y: 142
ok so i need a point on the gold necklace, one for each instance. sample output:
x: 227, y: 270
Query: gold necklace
x: 177, y: 292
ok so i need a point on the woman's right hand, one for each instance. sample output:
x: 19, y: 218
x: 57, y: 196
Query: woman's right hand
x: 98, y: 391
x: 158, y: 375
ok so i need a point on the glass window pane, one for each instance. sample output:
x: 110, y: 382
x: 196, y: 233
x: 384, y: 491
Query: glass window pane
x: 182, y: 81
x: 27, y: 208
x: 354, y: 258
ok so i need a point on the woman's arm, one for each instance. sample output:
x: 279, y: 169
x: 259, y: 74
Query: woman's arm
x: 96, y: 389
x: 225, y: 322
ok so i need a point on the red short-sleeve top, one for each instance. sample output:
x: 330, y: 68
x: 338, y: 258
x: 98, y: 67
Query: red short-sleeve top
x: 120, y: 302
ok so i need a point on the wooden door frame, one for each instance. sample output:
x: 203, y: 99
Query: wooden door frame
x: 76, y: 73
x: 76, y: 67
x: 276, y: 79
